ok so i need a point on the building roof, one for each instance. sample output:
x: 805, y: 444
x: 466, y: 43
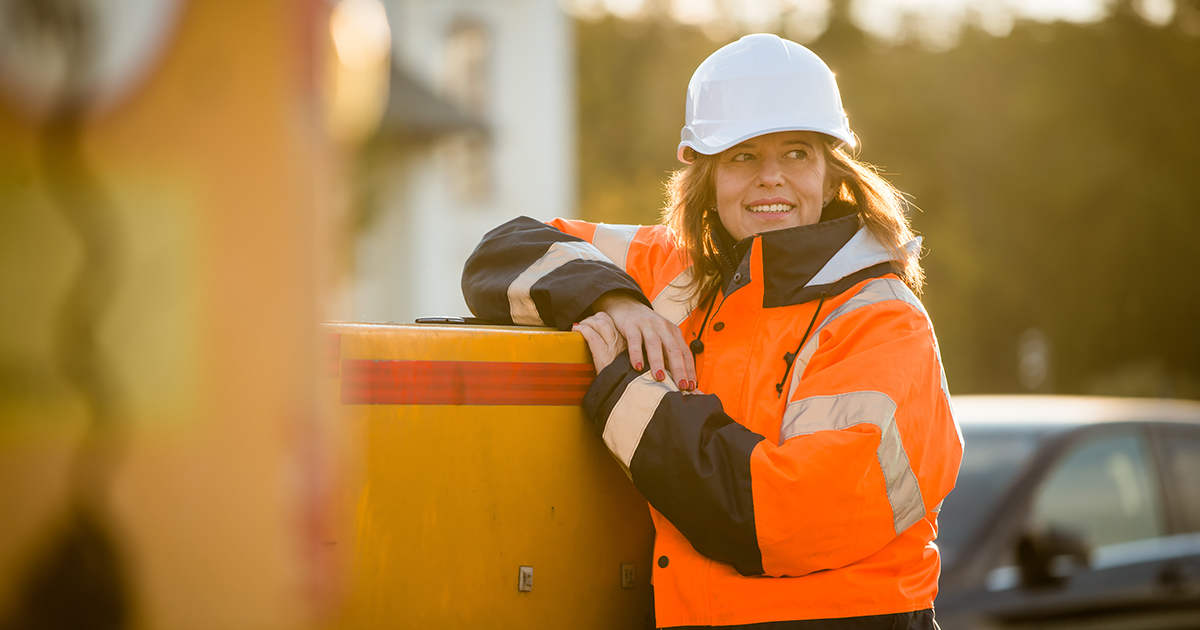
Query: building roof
x: 415, y: 112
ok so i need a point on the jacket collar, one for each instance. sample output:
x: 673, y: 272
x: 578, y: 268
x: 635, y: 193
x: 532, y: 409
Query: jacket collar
x: 800, y: 263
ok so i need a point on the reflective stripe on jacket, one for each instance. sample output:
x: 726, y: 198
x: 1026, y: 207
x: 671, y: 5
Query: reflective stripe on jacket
x: 804, y: 483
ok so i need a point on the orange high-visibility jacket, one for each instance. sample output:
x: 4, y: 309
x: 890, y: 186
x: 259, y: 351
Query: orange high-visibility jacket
x: 805, y: 482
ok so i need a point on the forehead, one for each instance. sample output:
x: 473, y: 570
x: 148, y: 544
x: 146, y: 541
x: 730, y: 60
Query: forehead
x: 781, y: 138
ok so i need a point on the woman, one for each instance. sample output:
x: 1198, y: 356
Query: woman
x: 766, y: 374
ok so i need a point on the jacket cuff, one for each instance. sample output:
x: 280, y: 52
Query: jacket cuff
x: 606, y: 391
x: 569, y: 295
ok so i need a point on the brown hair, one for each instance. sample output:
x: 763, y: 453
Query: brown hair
x: 691, y: 196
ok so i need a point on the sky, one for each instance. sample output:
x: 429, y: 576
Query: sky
x: 935, y: 22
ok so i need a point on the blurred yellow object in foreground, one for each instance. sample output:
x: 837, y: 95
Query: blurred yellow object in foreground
x: 160, y: 434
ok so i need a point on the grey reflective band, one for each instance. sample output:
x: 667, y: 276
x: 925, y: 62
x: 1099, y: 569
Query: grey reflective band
x: 904, y: 493
x: 674, y: 302
x: 631, y: 415
x: 876, y: 291
x: 614, y: 240
x: 861, y: 251
x: 834, y: 413
x: 520, y: 303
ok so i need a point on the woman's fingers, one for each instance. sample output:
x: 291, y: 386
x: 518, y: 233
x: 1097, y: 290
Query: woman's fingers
x: 667, y: 356
x: 669, y: 348
x: 633, y: 337
x: 602, y: 338
x: 654, y: 356
x: 680, y: 361
x: 689, y: 359
x: 594, y: 342
x: 653, y: 342
x: 604, y: 325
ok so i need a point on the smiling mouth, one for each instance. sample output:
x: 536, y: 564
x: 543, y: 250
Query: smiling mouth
x: 774, y: 208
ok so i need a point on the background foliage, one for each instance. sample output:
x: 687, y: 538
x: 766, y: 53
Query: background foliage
x: 1056, y: 171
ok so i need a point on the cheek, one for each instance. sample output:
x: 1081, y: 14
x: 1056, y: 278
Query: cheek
x: 730, y: 185
x: 810, y: 182
x: 721, y: 183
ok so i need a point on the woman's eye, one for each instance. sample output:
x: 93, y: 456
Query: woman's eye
x: 742, y: 157
x: 797, y: 154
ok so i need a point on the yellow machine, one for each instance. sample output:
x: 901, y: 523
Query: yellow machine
x: 472, y: 491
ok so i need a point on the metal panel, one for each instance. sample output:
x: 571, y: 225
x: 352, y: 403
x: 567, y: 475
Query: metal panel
x: 440, y: 506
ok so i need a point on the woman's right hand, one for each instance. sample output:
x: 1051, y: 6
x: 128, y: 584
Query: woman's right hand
x: 651, y: 339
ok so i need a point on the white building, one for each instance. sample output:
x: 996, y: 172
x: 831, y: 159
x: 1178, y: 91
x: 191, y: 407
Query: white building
x: 509, y: 65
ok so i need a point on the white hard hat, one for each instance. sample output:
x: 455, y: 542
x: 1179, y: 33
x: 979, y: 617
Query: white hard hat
x: 760, y: 84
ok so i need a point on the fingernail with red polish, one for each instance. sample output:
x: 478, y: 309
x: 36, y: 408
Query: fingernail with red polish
x: 691, y: 384
x: 658, y: 376
x: 682, y: 384
x: 638, y: 366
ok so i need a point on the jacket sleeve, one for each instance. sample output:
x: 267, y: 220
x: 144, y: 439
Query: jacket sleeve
x: 868, y: 447
x: 531, y: 273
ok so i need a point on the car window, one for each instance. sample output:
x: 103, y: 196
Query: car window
x: 1103, y: 488
x: 1182, y: 452
x: 991, y: 459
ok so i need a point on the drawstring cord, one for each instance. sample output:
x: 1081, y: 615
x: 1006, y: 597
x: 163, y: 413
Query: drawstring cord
x: 697, y: 346
x: 790, y: 357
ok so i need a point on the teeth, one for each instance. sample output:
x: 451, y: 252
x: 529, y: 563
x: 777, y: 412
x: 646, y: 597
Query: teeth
x: 775, y: 207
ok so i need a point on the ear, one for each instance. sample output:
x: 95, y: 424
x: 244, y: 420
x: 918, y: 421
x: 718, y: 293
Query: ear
x: 832, y: 184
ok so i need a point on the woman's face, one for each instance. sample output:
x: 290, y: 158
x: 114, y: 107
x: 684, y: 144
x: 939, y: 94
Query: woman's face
x: 772, y: 182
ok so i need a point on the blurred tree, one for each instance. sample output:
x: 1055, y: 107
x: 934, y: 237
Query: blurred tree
x: 1055, y: 169
x: 633, y: 77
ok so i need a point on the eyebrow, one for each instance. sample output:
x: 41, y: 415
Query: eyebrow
x: 751, y: 144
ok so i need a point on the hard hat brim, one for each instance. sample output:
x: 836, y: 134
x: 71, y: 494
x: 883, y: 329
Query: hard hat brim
x: 732, y: 137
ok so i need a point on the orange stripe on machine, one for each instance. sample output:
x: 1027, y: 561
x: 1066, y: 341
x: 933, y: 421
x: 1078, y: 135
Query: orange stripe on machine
x: 368, y: 382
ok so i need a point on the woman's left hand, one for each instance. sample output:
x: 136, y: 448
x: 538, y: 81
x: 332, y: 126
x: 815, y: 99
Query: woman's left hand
x: 602, y: 338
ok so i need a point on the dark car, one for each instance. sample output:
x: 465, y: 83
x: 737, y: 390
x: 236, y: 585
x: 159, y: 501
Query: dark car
x: 1073, y: 512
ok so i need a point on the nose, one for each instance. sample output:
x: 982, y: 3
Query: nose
x: 770, y: 172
